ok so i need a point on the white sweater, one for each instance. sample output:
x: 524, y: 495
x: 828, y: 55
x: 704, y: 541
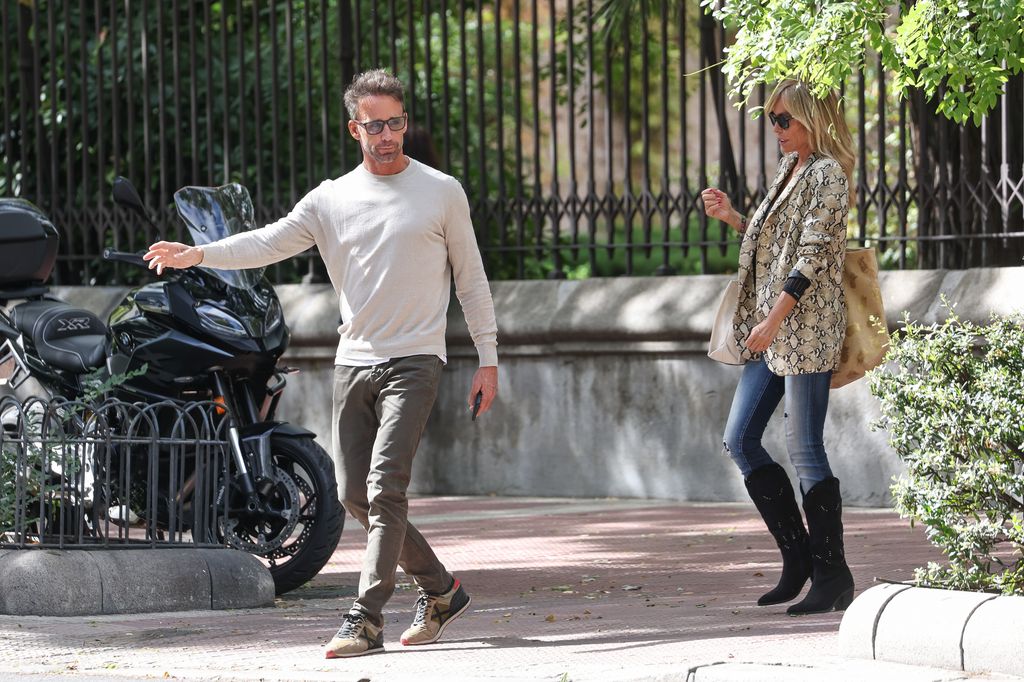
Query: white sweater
x: 391, y: 244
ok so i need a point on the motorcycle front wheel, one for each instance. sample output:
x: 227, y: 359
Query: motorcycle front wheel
x: 298, y: 528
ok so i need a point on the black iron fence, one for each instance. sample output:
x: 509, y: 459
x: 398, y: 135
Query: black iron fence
x: 112, y: 475
x: 583, y: 142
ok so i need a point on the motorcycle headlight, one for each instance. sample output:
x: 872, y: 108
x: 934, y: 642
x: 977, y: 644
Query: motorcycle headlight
x: 275, y: 316
x: 221, y: 321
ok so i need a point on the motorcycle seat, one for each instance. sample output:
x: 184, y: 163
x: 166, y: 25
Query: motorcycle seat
x: 68, y: 338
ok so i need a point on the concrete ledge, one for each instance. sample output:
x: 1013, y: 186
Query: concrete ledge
x: 91, y: 582
x: 825, y: 668
x: 237, y: 580
x: 994, y: 637
x: 606, y: 390
x: 142, y: 581
x: 966, y: 631
x: 860, y: 622
x: 47, y: 582
x: 922, y: 625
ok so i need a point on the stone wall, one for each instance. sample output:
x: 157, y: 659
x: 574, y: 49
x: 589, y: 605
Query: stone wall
x: 606, y: 389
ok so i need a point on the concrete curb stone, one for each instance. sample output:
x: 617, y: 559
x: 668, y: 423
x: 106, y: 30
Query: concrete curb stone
x: 237, y: 580
x: 966, y: 631
x: 860, y: 622
x: 147, y: 581
x: 926, y: 626
x: 994, y: 637
x: 47, y: 582
x: 833, y: 670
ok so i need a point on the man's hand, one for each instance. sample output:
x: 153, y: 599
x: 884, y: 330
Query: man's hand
x: 172, y: 255
x: 484, y: 381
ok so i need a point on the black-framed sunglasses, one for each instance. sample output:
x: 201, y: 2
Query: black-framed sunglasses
x: 396, y: 123
x: 782, y: 119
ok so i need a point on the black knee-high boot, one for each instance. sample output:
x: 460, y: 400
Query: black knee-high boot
x: 831, y: 580
x: 772, y: 493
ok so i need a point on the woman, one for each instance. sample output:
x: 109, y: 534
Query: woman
x: 790, y: 324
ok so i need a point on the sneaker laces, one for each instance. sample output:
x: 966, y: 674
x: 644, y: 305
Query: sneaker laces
x: 424, y: 605
x: 352, y: 625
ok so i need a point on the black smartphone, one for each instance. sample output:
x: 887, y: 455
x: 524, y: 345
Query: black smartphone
x: 476, y: 403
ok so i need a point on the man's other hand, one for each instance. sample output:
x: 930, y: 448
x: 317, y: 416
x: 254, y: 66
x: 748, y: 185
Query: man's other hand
x: 485, y: 381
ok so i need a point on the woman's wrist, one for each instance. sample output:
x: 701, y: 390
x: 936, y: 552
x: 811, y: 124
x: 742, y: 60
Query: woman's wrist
x: 740, y: 222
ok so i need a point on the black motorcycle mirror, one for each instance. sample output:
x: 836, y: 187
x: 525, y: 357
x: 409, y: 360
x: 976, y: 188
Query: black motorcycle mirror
x: 126, y: 195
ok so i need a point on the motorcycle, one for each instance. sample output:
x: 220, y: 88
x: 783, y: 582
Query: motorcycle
x: 199, y: 334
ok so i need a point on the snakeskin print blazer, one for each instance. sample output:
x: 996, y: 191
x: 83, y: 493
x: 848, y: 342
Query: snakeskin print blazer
x: 801, y: 227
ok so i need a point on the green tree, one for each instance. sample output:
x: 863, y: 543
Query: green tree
x: 203, y: 93
x: 961, y: 51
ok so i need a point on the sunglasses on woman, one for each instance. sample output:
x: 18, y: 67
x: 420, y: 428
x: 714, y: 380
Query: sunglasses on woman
x: 782, y: 119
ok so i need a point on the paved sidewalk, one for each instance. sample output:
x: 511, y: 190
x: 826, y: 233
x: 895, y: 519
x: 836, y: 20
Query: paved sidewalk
x: 562, y: 590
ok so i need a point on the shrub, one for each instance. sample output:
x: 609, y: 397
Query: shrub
x: 952, y: 400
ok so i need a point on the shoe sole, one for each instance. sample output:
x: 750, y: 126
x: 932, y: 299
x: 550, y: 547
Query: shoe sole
x: 331, y: 655
x: 440, y: 630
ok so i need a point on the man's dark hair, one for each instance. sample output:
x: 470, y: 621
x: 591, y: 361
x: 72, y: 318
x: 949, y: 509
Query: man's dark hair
x: 373, y: 82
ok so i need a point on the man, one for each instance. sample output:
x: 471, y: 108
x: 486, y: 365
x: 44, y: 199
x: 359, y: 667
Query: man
x: 392, y: 233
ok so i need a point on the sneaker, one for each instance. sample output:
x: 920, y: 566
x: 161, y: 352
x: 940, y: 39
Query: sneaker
x: 433, y: 613
x: 355, y: 637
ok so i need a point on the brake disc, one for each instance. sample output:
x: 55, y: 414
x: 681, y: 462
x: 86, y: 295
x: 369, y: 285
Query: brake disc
x: 241, y: 533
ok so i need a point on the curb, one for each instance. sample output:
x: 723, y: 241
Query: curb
x: 973, y: 632
x: 48, y: 582
x: 831, y: 669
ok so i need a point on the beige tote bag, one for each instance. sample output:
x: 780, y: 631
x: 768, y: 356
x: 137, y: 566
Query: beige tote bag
x: 723, y: 346
x: 867, y: 336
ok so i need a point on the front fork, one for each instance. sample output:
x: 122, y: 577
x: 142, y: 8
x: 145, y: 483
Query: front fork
x: 238, y: 410
x: 246, y: 424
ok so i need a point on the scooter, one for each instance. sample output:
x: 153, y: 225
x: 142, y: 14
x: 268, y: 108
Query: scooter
x: 199, y: 334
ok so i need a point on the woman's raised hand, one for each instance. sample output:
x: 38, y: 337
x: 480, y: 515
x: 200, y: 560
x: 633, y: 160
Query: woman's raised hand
x: 718, y: 205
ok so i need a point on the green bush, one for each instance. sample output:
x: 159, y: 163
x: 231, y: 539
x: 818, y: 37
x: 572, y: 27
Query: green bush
x: 952, y: 400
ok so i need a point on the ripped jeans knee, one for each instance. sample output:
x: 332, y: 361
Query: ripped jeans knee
x: 747, y: 454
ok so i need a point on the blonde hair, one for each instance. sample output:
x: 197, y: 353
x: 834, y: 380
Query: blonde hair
x: 824, y: 120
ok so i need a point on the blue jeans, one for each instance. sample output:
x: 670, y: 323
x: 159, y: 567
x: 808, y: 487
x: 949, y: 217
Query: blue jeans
x: 757, y: 396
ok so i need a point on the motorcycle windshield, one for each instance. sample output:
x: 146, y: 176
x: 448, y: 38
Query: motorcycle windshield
x: 213, y: 213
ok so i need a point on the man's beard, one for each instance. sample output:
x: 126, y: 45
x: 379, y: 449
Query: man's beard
x: 371, y: 151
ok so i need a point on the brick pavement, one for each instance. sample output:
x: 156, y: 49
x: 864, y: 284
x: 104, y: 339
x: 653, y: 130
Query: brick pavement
x: 562, y: 590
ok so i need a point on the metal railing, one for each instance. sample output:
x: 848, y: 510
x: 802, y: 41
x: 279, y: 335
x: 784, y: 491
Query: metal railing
x: 583, y: 144
x: 75, y: 475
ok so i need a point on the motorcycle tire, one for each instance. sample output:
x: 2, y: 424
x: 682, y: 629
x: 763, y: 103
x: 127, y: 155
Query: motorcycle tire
x: 311, y: 543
